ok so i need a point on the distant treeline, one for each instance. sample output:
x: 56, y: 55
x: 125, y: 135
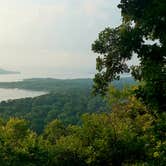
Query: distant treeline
x: 61, y: 85
x: 67, y: 101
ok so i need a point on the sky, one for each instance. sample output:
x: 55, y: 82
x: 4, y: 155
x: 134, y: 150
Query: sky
x: 53, y: 34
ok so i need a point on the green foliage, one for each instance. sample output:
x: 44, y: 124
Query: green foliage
x: 20, y: 146
x: 39, y: 111
x: 126, y: 135
x: 51, y: 85
x: 70, y: 99
x: 141, y: 33
x: 116, y: 138
x: 54, y: 131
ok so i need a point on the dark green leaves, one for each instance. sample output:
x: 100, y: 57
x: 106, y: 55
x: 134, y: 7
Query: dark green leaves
x: 142, y: 19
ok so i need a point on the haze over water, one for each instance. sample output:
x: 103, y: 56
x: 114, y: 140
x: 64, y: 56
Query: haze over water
x: 7, y: 94
x: 57, y: 75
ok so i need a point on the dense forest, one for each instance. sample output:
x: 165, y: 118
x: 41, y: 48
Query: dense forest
x: 120, y: 126
x: 126, y: 134
x: 67, y: 100
x: 67, y: 107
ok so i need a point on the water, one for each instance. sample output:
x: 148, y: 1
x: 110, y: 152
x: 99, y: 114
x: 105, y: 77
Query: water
x: 9, y: 94
x: 22, y: 76
x: 6, y: 94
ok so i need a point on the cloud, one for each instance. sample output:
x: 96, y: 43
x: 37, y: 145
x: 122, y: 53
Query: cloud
x: 59, y: 33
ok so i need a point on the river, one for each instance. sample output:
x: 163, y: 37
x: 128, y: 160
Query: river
x: 6, y: 94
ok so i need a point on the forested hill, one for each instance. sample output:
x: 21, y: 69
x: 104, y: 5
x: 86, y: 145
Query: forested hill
x: 70, y: 127
x: 39, y: 111
x: 67, y: 101
x: 60, y: 85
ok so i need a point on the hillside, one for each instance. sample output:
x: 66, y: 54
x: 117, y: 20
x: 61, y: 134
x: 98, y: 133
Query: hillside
x: 67, y: 101
x: 60, y: 85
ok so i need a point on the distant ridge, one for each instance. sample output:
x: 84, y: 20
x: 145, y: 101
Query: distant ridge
x: 2, y: 71
x: 60, y: 85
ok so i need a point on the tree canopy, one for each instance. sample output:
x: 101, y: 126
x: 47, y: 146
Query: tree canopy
x: 142, y: 34
x: 123, y: 133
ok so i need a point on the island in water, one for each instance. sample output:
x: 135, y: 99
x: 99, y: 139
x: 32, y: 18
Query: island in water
x: 2, y: 71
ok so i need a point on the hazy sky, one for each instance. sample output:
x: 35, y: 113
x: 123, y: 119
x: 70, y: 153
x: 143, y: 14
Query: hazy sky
x: 53, y: 34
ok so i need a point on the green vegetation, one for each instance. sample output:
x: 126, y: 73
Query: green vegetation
x: 67, y: 107
x: 124, y: 136
x: 142, y: 33
x: 67, y: 101
x: 129, y: 128
x: 59, y: 85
